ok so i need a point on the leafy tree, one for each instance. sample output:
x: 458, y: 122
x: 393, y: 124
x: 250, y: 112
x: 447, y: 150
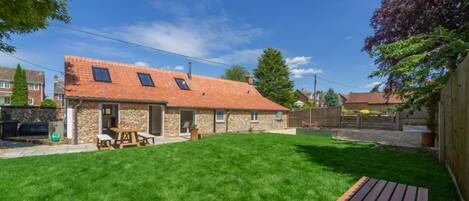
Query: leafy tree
x: 272, y: 78
x: 417, y: 44
x: 19, y: 96
x: 236, y: 73
x: 21, y: 17
x: 375, y: 88
x: 48, y: 103
x: 331, y: 98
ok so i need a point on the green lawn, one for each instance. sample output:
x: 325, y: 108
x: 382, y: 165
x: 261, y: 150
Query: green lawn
x: 225, y: 167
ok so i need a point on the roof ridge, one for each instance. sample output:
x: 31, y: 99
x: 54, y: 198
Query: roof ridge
x: 26, y: 69
x: 88, y: 59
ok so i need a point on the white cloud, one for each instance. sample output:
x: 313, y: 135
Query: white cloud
x: 245, y: 56
x: 190, y: 36
x: 141, y: 63
x: 294, y: 63
x: 179, y: 67
x: 373, y: 84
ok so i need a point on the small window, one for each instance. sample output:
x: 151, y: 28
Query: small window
x: 34, y: 86
x: 279, y: 116
x: 254, y: 116
x: 145, y: 79
x: 6, y: 100
x: 30, y: 101
x: 220, y: 116
x: 5, y: 84
x: 101, y: 74
x: 182, y: 84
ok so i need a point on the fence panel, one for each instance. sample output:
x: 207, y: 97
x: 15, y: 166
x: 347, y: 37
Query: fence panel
x: 453, y: 126
x: 321, y: 117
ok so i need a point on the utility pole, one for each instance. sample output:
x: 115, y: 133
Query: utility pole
x: 314, y: 91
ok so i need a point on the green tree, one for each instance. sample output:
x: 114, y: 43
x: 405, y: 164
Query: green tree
x: 21, y: 17
x: 48, y: 103
x: 272, y: 78
x: 375, y: 88
x: 331, y: 98
x: 19, y: 95
x: 236, y: 73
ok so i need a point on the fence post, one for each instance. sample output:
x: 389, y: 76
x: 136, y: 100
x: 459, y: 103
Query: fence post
x: 310, y: 116
x: 397, y: 117
x: 359, y: 123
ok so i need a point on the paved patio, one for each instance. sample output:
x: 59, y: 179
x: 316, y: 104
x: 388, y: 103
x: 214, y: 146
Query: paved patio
x: 11, y: 149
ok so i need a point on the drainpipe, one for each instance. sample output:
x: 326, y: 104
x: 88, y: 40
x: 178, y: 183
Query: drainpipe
x: 75, y: 120
x: 226, y: 120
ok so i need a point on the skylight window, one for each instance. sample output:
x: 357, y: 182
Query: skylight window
x: 182, y: 84
x: 145, y: 79
x: 101, y: 74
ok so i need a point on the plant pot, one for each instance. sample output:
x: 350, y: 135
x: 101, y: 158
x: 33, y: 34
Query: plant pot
x: 428, y: 139
x: 194, y: 133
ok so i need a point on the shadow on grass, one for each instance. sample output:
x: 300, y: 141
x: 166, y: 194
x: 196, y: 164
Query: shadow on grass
x: 406, y: 167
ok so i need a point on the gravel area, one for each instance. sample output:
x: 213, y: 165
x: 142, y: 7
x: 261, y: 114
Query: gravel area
x: 391, y: 138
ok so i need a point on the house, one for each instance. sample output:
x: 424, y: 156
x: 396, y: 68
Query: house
x: 35, y: 80
x: 103, y: 94
x: 376, y: 101
x: 58, y: 91
x: 307, y: 97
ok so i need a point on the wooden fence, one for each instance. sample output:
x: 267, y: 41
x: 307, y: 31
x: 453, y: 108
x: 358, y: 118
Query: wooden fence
x: 321, y: 117
x: 453, y: 126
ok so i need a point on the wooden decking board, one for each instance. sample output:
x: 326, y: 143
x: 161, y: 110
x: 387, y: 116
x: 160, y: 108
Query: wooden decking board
x: 364, y: 190
x: 376, y: 191
x: 410, y: 194
x: 422, y: 194
x: 387, y: 191
x: 398, y: 192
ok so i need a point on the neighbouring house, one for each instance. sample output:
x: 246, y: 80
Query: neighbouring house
x: 58, y: 91
x: 376, y: 101
x: 35, y: 80
x: 307, y: 97
x: 103, y: 94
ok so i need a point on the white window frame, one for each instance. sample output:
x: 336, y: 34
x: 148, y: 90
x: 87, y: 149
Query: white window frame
x: 256, y: 115
x: 279, y: 116
x: 35, y: 86
x: 216, y: 116
x: 30, y: 101
x: 4, y: 84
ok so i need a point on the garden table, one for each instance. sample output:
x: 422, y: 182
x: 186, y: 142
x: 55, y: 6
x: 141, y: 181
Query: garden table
x: 126, y: 136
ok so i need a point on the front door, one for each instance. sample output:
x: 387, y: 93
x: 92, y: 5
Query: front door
x: 155, y: 120
x: 187, y: 118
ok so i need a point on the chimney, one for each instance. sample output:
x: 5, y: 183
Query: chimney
x: 250, y: 79
x: 189, y: 74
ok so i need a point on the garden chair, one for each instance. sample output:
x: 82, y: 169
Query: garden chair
x: 103, y: 141
x: 146, y: 136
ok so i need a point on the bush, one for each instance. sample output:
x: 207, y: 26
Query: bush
x: 48, y: 103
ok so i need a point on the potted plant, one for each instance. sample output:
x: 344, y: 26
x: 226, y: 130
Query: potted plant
x: 194, y: 131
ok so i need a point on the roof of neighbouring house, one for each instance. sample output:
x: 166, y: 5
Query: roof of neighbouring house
x: 205, y: 92
x: 31, y: 75
x: 372, y: 98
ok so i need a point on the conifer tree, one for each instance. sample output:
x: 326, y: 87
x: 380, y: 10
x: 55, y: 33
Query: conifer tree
x: 19, y: 95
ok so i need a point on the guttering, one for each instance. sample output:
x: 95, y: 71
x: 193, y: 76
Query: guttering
x: 75, y: 120
x: 116, y: 100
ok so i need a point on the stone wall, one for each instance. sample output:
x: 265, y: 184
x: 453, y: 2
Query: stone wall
x: 31, y: 114
x: 133, y: 115
x: 88, y: 122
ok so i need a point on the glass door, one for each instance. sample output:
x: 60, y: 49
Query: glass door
x: 187, y: 118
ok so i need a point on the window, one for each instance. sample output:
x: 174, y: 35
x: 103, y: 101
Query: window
x: 279, y: 116
x: 34, y: 86
x: 254, y: 116
x: 220, y: 116
x: 5, y: 100
x: 5, y: 84
x: 30, y: 101
x: 182, y: 83
x: 145, y: 79
x: 101, y: 74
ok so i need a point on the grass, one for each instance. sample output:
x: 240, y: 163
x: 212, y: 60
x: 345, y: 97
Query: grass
x: 225, y: 167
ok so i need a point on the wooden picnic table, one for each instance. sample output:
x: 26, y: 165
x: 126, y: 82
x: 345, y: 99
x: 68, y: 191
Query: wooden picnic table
x: 126, y: 136
x: 374, y: 189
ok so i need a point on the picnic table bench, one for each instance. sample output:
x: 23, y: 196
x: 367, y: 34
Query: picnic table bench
x: 370, y: 189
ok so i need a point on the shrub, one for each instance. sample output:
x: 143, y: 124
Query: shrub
x: 48, y: 103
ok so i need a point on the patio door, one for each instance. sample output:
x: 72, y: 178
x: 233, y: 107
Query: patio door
x: 109, y: 117
x: 187, y: 118
x: 155, y: 121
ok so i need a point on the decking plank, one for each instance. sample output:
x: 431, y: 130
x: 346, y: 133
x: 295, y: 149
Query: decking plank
x: 398, y: 193
x: 376, y: 191
x: 422, y: 194
x: 364, y: 190
x: 410, y: 193
x: 387, y: 191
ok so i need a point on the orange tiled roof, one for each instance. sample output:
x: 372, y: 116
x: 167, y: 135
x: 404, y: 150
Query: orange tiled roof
x: 206, y: 92
x: 372, y: 98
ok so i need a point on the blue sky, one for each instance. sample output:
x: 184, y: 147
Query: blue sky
x: 323, y: 37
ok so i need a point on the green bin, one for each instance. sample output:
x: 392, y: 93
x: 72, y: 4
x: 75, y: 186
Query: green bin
x: 55, y: 137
